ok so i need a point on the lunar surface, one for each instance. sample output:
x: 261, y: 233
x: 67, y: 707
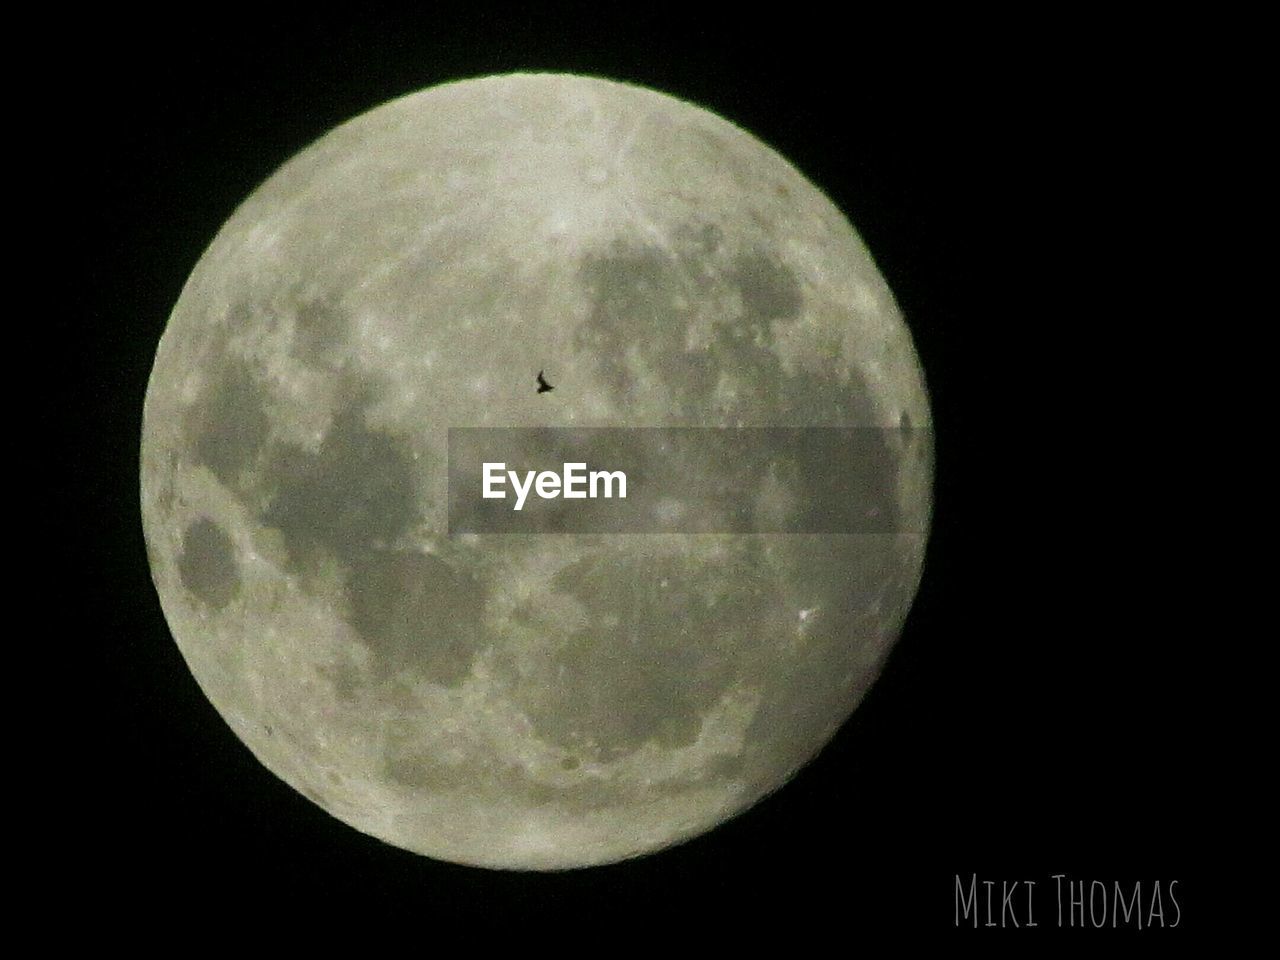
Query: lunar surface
x: 534, y: 700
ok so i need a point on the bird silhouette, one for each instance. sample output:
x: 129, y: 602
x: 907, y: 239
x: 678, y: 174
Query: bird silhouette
x: 543, y: 386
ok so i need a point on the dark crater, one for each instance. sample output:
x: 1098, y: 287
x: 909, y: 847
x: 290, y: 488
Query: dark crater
x: 354, y: 495
x: 415, y: 613
x: 635, y: 309
x: 656, y: 655
x: 228, y: 425
x: 354, y: 500
x: 769, y: 290
x: 207, y: 566
x: 319, y: 329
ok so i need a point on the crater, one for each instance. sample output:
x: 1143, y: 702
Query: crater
x: 415, y: 762
x: 704, y: 238
x: 354, y: 495
x: 319, y: 327
x: 207, y: 566
x: 855, y: 585
x: 406, y: 762
x: 228, y: 425
x: 416, y: 613
x: 638, y: 332
x: 769, y: 290
x: 635, y: 294
x: 344, y: 675
x: 661, y: 646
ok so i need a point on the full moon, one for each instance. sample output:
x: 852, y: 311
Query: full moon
x: 538, y: 700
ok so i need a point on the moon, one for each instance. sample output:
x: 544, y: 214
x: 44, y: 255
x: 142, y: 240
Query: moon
x: 532, y: 701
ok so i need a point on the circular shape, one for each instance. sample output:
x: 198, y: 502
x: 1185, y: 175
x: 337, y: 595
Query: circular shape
x: 529, y: 701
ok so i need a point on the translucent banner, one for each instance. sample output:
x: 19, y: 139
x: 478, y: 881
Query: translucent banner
x: 677, y: 479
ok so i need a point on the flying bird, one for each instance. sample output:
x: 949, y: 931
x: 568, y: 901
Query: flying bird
x: 543, y: 386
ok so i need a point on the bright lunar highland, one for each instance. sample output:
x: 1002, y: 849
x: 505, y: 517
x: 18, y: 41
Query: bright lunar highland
x: 533, y: 700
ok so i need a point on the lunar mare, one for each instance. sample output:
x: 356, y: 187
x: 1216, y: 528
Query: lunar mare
x: 535, y: 701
